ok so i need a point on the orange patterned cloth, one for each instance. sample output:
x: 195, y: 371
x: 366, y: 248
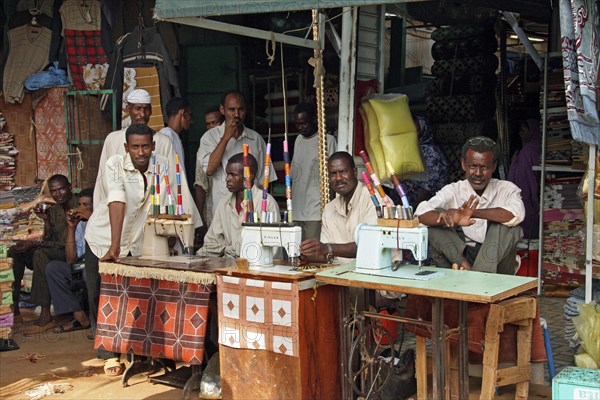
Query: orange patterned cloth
x: 151, y: 317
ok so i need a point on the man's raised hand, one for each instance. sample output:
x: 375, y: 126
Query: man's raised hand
x: 462, y: 216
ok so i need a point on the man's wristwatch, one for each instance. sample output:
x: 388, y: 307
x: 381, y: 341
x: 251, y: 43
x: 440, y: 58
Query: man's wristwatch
x: 330, y: 255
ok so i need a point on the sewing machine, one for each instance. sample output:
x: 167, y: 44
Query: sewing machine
x: 260, y: 242
x: 375, y: 244
x: 158, y: 230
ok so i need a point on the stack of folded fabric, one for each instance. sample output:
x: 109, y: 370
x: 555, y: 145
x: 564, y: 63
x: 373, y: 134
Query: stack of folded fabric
x: 6, y: 280
x: 564, y: 252
x: 559, y: 147
x: 577, y: 296
x: 462, y: 99
x: 7, y: 157
x: 8, y: 211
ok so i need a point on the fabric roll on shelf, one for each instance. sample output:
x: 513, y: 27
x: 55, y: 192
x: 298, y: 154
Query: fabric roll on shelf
x: 461, y: 108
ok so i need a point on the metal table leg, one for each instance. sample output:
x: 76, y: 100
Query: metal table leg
x: 345, y: 342
x: 438, y: 336
x: 193, y: 383
x: 463, y: 351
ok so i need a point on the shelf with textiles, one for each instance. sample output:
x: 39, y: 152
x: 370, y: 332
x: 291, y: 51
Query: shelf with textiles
x: 558, y: 168
x: 561, y: 259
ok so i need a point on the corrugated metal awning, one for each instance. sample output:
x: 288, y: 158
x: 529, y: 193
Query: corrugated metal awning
x: 169, y: 9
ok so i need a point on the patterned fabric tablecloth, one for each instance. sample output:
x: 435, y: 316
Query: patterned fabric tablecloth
x: 258, y: 315
x: 152, y: 317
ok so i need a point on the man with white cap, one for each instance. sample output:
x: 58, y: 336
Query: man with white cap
x: 140, y: 110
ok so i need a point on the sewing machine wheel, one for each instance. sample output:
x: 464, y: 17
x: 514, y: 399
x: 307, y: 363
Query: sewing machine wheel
x: 373, y: 371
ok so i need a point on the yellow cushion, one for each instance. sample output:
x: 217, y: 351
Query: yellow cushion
x: 371, y: 131
x: 397, y: 134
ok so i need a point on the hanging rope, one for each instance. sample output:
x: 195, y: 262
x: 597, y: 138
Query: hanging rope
x: 271, y: 54
x: 79, y: 164
x: 319, y: 71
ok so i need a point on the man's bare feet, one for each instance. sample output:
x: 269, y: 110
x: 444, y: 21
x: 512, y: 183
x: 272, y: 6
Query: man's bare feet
x: 465, y: 264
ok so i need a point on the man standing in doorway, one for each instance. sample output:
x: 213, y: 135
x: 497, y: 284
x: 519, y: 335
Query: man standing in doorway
x: 179, y: 112
x: 212, y: 118
x: 305, y: 171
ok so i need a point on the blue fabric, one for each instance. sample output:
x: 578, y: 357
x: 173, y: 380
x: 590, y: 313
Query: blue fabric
x: 435, y: 162
x: 80, y: 238
x: 53, y: 77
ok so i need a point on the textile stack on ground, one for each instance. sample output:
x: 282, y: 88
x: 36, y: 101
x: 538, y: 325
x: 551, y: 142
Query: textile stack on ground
x: 25, y: 225
x: 462, y: 101
x: 6, y: 280
x: 577, y: 296
x: 8, y: 151
x: 564, y: 227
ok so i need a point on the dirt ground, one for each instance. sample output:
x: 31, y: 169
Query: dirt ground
x: 69, y: 359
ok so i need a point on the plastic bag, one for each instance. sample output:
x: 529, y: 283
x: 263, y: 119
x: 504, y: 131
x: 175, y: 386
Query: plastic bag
x: 210, y: 385
x: 587, y: 324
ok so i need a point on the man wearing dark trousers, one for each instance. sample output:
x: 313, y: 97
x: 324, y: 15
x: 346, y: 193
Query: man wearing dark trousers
x: 36, y: 254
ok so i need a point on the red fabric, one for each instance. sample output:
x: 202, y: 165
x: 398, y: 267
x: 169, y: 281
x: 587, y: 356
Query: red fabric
x: 362, y: 88
x: 419, y: 307
x: 151, y: 317
x: 51, y: 134
x: 83, y: 47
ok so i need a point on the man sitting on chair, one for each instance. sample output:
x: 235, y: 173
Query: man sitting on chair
x: 59, y: 274
x: 474, y: 223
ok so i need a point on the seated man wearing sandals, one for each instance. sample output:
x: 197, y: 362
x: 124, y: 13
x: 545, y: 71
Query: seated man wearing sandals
x: 474, y: 223
x: 59, y: 274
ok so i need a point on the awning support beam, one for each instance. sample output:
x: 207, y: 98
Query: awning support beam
x: 514, y: 24
x: 243, y: 31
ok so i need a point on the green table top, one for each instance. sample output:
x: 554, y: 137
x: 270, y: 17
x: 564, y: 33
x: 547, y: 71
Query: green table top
x: 473, y: 286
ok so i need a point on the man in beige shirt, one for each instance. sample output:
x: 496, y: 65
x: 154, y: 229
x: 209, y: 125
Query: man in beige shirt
x: 224, y: 237
x: 342, y: 215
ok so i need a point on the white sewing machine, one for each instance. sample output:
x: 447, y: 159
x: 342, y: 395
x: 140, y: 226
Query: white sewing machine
x: 260, y: 242
x: 158, y: 230
x: 375, y: 244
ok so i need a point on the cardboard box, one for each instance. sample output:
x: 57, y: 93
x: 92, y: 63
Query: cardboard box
x: 574, y: 383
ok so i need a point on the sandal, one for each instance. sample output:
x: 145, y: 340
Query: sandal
x: 112, y: 367
x: 8, y: 345
x: 71, y: 326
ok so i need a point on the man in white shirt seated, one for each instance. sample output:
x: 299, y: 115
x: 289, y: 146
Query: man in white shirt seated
x: 341, y: 215
x: 224, y: 237
x: 474, y: 223
x: 59, y: 274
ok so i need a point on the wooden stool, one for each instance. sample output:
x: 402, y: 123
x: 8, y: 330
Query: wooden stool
x: 521, y: 312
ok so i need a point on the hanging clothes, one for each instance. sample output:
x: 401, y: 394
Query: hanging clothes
x: 28, y: 53
x: 580, y: 39
x: 151, y: 52
x: 81, y: 21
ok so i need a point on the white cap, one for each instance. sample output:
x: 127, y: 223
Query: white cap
x: 139, y: 96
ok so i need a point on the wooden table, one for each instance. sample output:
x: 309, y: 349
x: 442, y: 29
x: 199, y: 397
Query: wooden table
x: 278, y: 334
x: 157, y: 308
x: 464, y: 286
